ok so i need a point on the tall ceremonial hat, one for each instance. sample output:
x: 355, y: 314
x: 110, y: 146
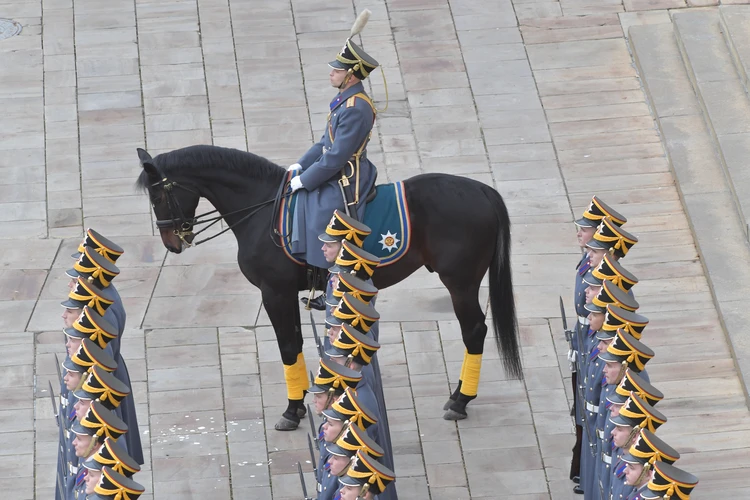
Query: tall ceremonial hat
x: 343, y: 227
x: 354, y: 260
x: 333, y: 377
x: 611, y: 237
x: 638, y: 414
x: 368, y: 474
x: 352, y: 57
x: 100, y: 423
x: 616, y: 318
x: 634, y: 383
x: 611, y: 270
x: 596, y: 211
x: 649, y: 449
x: 348, y: 408
x: 101, y: 245
x: 94, y: 268
x: 115, y: 486
x: 350, y: 342
x: 114, y: 456
x: 669, y: 483
x: 102, y: 386
x: 88, y: 294
x: 356, y: 313
x: 91, y: 325
x: 88, y: 355
x: 627, y: 351
x: 358, y: 288
x: 353, y: 439
x: 611, y: 294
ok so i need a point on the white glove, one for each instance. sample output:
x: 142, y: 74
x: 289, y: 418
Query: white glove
x: 294, y: 167
x: 296, y: 184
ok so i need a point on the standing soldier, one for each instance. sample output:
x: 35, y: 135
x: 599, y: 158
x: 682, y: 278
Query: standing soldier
x: 365, y: 479
x: 639, y: 461
x: 586, y: 227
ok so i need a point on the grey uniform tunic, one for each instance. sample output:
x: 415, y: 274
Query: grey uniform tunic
x: 350, y: 123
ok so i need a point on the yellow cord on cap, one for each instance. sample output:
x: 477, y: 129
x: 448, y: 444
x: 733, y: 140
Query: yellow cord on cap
x: 296, y: 378
x: 472, y: 365
x: 385, y: 86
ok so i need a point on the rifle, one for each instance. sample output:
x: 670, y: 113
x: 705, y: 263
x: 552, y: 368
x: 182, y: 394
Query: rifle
x: 312, y: 456
x: 61, y: 457
x: 572, y: 353
x: 302, y: 482
x: 318, y: 343
x: 313, y: 431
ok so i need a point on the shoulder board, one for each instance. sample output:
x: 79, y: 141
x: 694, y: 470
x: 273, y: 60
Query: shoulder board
x: 351, y: 101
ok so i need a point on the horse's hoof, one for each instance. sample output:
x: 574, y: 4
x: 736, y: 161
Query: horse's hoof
x: 448, y: 404
x: 454, y: 415
x: 284, y: 424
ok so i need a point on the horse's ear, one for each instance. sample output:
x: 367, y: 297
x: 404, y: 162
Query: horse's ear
x: 144, y: 156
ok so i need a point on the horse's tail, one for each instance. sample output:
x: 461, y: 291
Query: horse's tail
x: 502, y: 302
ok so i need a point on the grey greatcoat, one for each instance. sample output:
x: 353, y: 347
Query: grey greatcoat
x: 350, y: 122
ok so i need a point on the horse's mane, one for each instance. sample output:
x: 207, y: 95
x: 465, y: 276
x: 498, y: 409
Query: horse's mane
x: 203, y: 156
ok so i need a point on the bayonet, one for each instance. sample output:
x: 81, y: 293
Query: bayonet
x: 312, y: 456
x: 54, y: 403
x: 568, y: 333
x: 302, y: 482
x: 318, y: 343
x: 57, y: 367
x: 313, y: 431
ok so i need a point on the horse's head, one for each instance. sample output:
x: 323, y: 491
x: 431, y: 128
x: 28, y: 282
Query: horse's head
x: 174, y: 204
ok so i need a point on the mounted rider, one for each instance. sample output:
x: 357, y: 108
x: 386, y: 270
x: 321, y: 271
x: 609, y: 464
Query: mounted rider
x: 335, y: 172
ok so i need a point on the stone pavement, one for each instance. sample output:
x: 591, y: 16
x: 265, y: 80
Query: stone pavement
x: 538, y: 98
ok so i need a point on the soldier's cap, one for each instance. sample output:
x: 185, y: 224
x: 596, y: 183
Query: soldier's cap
x: 649, y: 449
x: 609, y: 269
x: 343, y: 227
x: 358, y: 288
x: 367, y: 472
x: 617, y: 317
x: 332, y: 320
x: 115, y: 486
x: 91, y: 325
x: 611, y: 294
x: 611, y: 237
x: 352, y: 439
x: 589, y: 279
x: 100, y: 423
x: 596, y: 211
x: 632, y: 382
x: 352, y: 342
x: 104, y: 387
x: 113, y: 455
x: 94, y: 268
x: 352, y: 259
x: 352, y: 57
x: 88, y: 294
x: 333, y: 377
x: 356, y: 313
x: 669, y: 482
x: 348, y: 408
x: 637, y: 413
x: 101, y: 245
x: 88, y: 355
x: 627, y: 351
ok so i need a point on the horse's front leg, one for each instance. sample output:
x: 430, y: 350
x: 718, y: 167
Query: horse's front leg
x: 283, y: 311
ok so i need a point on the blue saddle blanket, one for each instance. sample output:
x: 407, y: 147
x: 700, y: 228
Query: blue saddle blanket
x: 387, y: 215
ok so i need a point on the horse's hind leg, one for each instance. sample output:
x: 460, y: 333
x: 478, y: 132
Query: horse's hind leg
x: 464, y: 292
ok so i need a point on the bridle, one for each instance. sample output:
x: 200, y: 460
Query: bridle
x: 182, y: 226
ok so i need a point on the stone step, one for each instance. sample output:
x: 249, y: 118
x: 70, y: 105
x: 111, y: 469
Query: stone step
x: 718, y: 231
x: 722, y: 97
x: 735, y: 26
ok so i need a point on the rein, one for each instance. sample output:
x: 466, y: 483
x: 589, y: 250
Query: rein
x: 183, y: 226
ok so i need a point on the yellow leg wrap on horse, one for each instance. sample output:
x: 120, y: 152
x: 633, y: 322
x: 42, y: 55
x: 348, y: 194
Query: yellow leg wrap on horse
x: 296, y: 378
x: 463, y: 368
x: 471, y: 367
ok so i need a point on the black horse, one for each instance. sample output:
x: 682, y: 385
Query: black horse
x: 460, y: 229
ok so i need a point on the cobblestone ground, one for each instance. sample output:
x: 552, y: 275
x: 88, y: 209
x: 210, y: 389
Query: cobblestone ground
x: 537, y: 98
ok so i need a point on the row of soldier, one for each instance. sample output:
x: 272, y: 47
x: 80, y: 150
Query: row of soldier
x: 355, y: 459
x: 100, y: 448
x: 617, y: 454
